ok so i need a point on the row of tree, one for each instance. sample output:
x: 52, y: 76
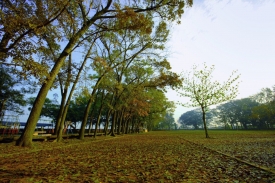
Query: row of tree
x: 255, y: 112
x: 106, y: 53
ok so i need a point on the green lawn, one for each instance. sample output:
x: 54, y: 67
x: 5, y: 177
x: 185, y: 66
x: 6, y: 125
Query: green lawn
x: 167, y: 156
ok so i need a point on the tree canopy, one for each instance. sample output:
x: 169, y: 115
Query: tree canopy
x: 203, y: 92
x: 39, y: 39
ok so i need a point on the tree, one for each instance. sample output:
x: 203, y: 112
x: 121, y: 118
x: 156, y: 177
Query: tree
x: 11, y: 99
x: 101, y: 16
x: 24, y: 27
x: 203, y: 92
x: 167, y: 122
x: 266, y: 95
x: 264, y: 114
x: 50, y: 108
x: 191, y: 118
x: 236, y: 111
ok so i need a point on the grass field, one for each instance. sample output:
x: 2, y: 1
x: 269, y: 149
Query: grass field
x: 167, y: 156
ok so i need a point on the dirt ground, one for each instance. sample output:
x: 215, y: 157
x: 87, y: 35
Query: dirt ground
x: 178, y: 156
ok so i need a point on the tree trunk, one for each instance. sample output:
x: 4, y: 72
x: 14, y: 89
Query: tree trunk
x: 112, y: 131
x: 127, y: 126
x: 25, y: 139
x: 107, y: 122
x: 85, y: 117
x: 119, y: 130
x: 98, y: 119
x: 91, y: 121
x: 88, y: 107
x: 132, y: 128
x: 204, y: 123
x: 2, y: 107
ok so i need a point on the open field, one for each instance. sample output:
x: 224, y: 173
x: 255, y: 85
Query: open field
x: 169, y: 156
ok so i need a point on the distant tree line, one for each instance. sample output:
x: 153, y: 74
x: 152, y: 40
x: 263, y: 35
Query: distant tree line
x: 254, y: 112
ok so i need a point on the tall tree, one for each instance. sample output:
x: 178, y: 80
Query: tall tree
x: 203, y: 92
x: 130, y: 15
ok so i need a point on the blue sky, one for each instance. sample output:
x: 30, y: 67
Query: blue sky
x: 230, y: 34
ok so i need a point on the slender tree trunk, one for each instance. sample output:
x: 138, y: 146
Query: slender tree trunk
x: 99, y: 113
x: 2, y: 107
x: 112, y: 131
x: 59, y: 125
x: 127, y: 125
x: 59, y: 137
x: 132, y: 128
x: 64, y: 112
x: 120, y: 123
x: 98, y: 119
x: 88, y: 107
x: 85, y: 117
x: 91, y: 122
x: 107, y: 122
x: 25, y: 139
x: 61, y: 108
x: 204, y: 123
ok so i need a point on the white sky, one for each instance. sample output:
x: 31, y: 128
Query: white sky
x: 230, y: 34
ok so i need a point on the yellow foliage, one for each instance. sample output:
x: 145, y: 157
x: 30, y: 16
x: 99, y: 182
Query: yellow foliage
x: 129, y: 19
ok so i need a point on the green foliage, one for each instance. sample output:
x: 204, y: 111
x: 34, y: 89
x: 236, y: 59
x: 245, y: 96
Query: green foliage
x: 191, y: 118
x: 50, y: 108
x: 203, y: 92
x: 167, y: 122
x: 74, y: 24
x: 264, y: 115
x: 11, y: 99
x: 266, y: 95
x: 255, y: 112
x: 77, y: 108
x: 236, y: 111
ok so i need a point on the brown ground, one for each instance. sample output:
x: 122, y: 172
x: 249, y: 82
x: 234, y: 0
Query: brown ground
x: 181, y: 156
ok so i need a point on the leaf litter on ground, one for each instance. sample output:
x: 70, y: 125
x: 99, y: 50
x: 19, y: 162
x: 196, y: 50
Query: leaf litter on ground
x: 180, y: 156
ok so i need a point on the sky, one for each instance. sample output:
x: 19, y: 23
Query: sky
x: 230, y: 34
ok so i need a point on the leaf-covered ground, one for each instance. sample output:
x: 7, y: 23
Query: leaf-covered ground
x: 181, y: 156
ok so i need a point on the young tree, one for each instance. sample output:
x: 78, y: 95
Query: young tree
x: 203, y: 92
